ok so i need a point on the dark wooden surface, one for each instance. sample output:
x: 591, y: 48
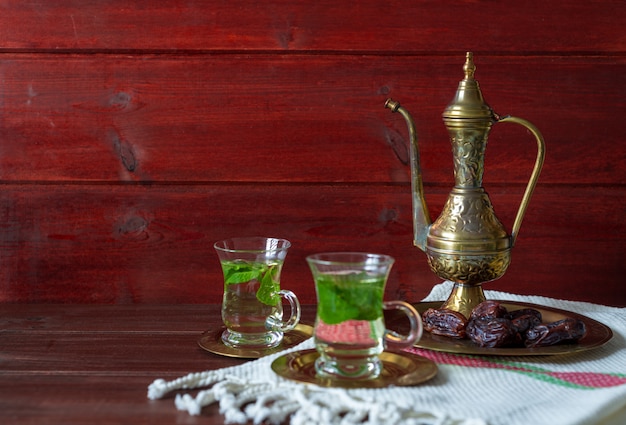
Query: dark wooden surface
x: 132, y: 137
x: 92, y: 363
x: 77, y: 364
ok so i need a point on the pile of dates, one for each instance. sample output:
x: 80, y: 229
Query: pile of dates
x: 491, y: 325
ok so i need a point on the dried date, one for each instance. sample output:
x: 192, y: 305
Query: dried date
x: 493, y: 332
x: 488, y: 309
x: 444, y: 322
x: 562, y: 331
x: 514, y: 314
x: 524, y: 319
x: 491, y: 325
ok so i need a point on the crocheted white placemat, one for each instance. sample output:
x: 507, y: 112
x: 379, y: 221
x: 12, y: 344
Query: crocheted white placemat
x: 573, y: 389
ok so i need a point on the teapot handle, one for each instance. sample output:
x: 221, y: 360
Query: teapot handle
x: 530, y: 187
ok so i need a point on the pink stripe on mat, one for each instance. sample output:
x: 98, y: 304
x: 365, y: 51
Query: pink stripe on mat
x: 585, y: 380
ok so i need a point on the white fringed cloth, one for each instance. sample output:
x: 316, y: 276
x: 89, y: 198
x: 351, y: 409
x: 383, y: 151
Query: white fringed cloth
x: 572, y: 389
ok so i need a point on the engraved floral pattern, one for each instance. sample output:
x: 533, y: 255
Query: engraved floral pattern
x: 468, y: 151
x: 469, y: 214
x: 469, y: 269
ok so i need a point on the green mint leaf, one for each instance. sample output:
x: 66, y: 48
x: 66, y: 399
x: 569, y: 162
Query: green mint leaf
x: 241, y: 277
x: 236, y: 272
x: 269, y: 288
x: 349, y: 297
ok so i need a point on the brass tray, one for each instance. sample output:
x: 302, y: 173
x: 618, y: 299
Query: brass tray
x: 400, y: 369
x: 597, y: 334
x: 211, y: 341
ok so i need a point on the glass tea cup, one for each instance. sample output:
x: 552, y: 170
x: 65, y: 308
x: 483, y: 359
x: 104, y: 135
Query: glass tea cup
x: 252, y: 304
x: 350, y: 331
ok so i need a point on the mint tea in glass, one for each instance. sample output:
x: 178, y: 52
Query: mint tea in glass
x: 252, y: 307
x: 350, y: 332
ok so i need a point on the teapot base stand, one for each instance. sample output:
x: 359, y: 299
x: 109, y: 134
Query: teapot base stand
x: 463, y: 298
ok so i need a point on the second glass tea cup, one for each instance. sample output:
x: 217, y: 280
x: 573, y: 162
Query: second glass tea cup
x: 252, y: 304
x: 350, y: 332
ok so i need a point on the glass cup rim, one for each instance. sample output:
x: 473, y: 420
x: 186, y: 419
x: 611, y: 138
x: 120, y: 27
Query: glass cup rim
x: 350, y: 258
x: 280, y: 244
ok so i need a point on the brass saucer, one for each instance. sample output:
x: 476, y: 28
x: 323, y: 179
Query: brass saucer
x: 211, y: 341
x: 597, y: 334
x: 400, y: 369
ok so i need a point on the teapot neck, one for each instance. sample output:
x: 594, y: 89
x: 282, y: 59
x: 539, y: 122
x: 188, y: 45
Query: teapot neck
x: 469, y: 142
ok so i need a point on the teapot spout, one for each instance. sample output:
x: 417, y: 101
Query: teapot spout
x: 421, y: 217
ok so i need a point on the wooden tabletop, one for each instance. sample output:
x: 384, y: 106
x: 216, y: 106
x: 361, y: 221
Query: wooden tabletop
x: 92, y: 364
x: 79, y: 364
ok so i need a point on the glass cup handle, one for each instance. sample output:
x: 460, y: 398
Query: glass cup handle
x: 294, y: 318
x: 395, y: 341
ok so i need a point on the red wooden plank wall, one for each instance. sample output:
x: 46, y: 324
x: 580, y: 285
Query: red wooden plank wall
x: 135, y: 134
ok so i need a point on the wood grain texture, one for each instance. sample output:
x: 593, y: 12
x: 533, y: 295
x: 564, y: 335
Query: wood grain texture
x: 285, y: 26
x: 96, y: 399
x: 93, y: 364
x: 213, y: 119
x: 132, y: 137
x: 145, y: 244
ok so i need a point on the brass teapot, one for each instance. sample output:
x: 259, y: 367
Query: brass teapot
x: 467, y: 244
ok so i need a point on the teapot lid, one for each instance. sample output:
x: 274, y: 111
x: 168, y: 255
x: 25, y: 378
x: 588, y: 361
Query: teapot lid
x: 468, y: 102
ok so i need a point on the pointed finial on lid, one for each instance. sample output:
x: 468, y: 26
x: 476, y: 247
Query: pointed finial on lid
x: 468, y: 101
x: 469, y: 66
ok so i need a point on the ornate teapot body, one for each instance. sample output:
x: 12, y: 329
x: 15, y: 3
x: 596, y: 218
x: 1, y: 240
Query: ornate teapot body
x: 467, y: 244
